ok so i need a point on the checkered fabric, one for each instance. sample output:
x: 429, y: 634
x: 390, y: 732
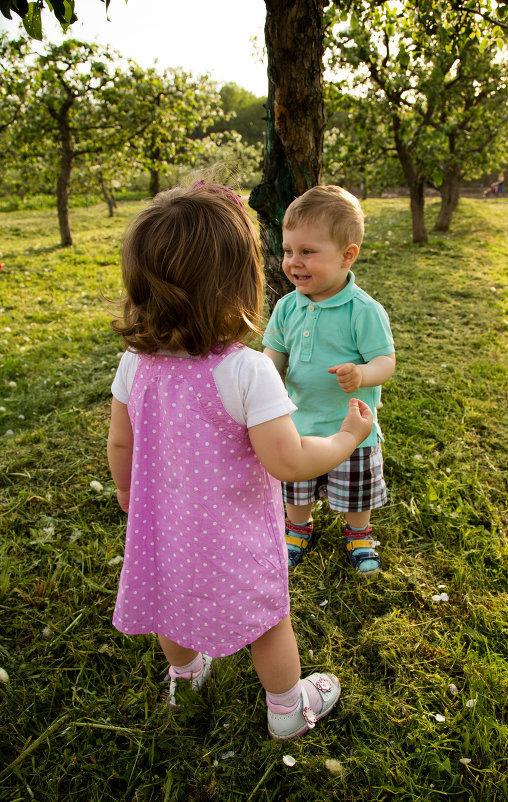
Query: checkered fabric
x: 355, y: 485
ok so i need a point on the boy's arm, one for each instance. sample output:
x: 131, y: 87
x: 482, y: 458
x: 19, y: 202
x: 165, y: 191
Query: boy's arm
x: 120, y: 451
x: 371, y: 374
x: 291, y: 458
x: 279, y: 359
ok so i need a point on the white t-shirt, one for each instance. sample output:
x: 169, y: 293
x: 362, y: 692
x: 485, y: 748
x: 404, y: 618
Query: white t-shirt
x: 247, y: 381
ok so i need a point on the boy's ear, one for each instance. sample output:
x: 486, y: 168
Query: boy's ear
x: 349, y: 254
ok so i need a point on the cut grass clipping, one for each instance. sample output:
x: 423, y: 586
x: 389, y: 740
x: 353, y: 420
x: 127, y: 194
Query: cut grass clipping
x: 420, y: 650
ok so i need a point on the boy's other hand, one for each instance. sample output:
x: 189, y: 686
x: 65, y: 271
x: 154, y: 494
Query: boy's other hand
x: 348, y: 375
x: 358, y: 420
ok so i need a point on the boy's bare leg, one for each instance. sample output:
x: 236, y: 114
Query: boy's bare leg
x: 298, y: 515
x: 358, y: 520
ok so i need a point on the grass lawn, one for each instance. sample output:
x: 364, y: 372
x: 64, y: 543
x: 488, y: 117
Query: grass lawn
x: 423, y: 714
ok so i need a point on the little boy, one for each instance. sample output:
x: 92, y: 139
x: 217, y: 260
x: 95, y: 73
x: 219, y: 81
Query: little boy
x: 333, y: 340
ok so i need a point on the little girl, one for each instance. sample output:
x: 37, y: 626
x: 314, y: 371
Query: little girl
x: 201, y: 435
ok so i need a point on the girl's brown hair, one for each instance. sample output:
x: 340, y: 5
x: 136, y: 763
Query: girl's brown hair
x: 192, y: 270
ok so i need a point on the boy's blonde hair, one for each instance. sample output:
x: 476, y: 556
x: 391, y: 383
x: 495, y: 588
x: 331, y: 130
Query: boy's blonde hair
x: 191, y: 266
x: 331, y: 206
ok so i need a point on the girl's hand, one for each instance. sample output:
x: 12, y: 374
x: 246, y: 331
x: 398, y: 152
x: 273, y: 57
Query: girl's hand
x: 348, y: 375
x: 123, y: 497
x: 358, y: 420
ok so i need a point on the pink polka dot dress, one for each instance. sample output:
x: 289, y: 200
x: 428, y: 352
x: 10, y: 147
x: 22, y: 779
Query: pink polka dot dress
x: 205, y: 559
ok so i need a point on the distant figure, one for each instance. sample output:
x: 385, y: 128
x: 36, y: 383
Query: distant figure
x: 496, y: 188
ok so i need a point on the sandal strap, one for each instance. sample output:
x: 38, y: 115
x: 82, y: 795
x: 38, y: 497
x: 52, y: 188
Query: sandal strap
x: 359, y: 544
x: 301, y: 542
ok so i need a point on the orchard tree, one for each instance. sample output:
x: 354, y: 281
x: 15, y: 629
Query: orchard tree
x: 358, y: 150
x: 72, y: 110
x: 295, y: 123
x: 168, y: 114
x: 429, y: 69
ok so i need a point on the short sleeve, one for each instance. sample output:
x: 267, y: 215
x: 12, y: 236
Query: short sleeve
x: 124, y: 377
x: 274, y: 333
x: 251, y: 389
x: 372, y: 332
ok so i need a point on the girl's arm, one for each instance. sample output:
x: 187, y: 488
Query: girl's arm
x: 377, y: 371
x: 292, y: 458
x: 120, y: 451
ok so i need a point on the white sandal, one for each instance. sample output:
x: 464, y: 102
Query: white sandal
x: 284, y: 726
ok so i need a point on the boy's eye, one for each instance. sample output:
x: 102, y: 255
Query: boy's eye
x: 287, y: 252
x: 306, y: 251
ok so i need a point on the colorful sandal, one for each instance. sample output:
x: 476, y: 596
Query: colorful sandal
x: 298, y: 538
x: 360, y: 551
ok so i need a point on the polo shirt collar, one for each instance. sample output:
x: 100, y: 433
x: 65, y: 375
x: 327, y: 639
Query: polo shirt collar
x: 340, y: 298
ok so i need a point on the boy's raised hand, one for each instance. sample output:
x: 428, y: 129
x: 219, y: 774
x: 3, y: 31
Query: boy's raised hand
x: 348, y: 375
x: 358, y: 420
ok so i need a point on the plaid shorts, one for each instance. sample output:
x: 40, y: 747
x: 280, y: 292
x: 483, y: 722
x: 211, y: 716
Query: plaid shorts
x: 356, y: 485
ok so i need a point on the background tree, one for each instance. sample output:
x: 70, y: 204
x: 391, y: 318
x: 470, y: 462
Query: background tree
x: 246, y: 113
x: 295, y: 123
x: 429, y: 70
x: 358, y: 150
x: 169, y: 114
x: 71, y: 111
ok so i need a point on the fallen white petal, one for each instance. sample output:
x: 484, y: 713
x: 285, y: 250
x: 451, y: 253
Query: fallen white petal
x: 47, y: 632
x: 4, y: 677
x: 9, y: 433
x: 465, y: 760
x: 436, y: 598
x: 13, y: 384
x: 215, y: 763
x: 333, y: 766
x: 288, y: 760
x: 441, y: 587
x: 311, y: 654
x: 439, y: 717
x: 471, y: 702
x: 226, y: 755
x: 116, y: 560
x: 323, y: 603
x: 94, y: 485
x: 453, y: 689
x: 418, y: 458
x: 444, y: 597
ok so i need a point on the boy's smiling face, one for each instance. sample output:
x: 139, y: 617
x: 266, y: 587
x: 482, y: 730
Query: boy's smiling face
x: 314, y: 263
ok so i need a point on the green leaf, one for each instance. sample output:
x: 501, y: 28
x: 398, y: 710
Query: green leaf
x: 32, y: 22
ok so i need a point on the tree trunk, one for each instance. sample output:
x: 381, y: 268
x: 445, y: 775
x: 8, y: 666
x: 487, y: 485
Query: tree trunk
x: 416, y: 183
x: 450, y: 190
x: 295, y: 124
x: 417, y: 196
x: 155, y: 176
x: 63, y: 182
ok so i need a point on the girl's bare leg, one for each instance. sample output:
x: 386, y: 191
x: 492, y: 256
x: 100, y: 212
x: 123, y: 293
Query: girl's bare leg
x: 276, y: 659
x: 176, y: 655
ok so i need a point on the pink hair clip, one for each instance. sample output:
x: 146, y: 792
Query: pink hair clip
x: 219, y: 189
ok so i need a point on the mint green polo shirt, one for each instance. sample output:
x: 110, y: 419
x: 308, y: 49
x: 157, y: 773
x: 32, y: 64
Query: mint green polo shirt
x: 348, y: 327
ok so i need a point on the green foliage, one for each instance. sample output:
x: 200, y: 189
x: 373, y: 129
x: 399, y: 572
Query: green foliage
x: 248, y: 113
x: 425, y: 82
x: 82, y: 710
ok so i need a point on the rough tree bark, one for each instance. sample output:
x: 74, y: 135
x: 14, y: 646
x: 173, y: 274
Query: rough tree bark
x: 295, y: 123
x: 64, y: 176
x: 416, y: 184
x: 450, y: 191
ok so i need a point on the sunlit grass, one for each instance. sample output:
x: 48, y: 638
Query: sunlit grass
x: 81, y: 711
